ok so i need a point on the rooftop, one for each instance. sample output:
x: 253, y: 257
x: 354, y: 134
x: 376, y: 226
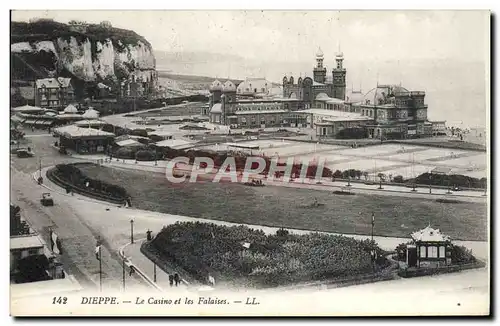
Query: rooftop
x: 128, y: 142
x: 86, y: 123
x: 259, y: 112
x: 430, y: 234
x: 27, y: 109
x: 175, y: 143
x: 53, y: 82
x: 25, y: 242
x: 73, y: 131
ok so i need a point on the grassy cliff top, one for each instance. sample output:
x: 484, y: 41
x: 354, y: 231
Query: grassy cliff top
x: 45, y: 30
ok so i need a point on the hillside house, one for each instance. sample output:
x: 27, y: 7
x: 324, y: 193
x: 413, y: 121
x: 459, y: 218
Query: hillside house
x: 53, y: 93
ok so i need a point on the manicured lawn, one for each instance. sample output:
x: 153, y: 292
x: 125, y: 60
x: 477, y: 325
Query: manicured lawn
x: 284, y: 207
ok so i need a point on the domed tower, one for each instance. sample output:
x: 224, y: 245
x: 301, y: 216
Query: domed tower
x: 319, y: 73
x: 223, y: 100
x: 215, y: 92
x: 229, y: 89
x: 339, y: 77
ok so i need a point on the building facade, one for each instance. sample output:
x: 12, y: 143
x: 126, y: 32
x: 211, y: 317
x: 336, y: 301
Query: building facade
x: 397, y: 113
x: 429, y: 248
x: 385, y: 112
x: 53, y: 93
x: 307, y: 89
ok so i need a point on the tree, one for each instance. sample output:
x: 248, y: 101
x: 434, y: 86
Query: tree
x: 32, y: 269
x: 337, y: 174
x: 365, y: 174
x: 382, y: 177
x: 398, y: 179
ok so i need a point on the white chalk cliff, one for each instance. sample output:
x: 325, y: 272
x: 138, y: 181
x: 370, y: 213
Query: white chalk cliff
x: 92, y: 60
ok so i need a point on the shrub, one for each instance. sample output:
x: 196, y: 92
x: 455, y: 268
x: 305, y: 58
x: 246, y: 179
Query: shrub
x: 201, y: 248
x: 451, y: 180
x: 398, y: 179
x: 127, y: 153
x: 139, y: 132
x: 145, y: 155
x: 461, y: 255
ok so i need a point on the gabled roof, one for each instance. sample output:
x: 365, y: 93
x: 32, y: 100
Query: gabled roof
x: 70, y: 109
x: 25, y: 242
x: 53, y: 82
x: 91, y: 114
x: 73, y: 131
x: 216, y: 108
x: 430, y: 234
x: 128, y: 142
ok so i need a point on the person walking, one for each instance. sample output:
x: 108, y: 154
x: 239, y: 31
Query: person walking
x: 177, y: 279
x: 171, y: 279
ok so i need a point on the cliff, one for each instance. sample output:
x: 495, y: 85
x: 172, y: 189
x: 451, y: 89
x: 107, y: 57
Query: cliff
x: 90, y: 53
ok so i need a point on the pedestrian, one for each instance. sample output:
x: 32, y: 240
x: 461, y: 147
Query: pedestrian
x: 177, y: 279
x: 171, y: 279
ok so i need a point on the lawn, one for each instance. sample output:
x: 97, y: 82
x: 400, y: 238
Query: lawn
x: 285, y: 207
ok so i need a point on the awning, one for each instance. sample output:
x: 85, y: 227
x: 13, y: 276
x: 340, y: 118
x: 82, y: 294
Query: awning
x: 44, y: 122
x: 17, y: 118
x: 30, y: 122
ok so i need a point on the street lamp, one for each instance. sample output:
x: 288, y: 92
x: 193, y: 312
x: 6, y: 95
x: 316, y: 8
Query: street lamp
x: 430, y: 182
x: 132, y: 231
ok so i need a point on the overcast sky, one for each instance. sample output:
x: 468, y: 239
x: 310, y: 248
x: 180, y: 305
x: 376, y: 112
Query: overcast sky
x: 275, y: 35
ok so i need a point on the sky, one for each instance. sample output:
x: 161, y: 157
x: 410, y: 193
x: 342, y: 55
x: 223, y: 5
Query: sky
x: 291, y: 35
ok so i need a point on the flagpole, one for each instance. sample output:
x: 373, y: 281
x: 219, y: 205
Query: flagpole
x: 100, y: 270
x: 373, y: 223
x: 123, y: 273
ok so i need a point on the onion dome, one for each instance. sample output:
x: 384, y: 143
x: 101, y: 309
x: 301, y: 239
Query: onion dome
x: 216, y: 86
x: 228, y: 87
x: 319, y: 54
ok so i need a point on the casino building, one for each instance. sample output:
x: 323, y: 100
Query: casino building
x: 321, y: 103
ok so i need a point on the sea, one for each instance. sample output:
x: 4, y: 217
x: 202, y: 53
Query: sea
x: 456, y: 91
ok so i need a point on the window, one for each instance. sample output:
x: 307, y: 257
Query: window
x: 32, y: 252
x: 433, y: 252
x: 423, y: 252
x: 442, y: 252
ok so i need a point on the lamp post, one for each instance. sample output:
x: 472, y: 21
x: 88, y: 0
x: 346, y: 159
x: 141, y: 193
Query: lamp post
x: 40, y: 166
x: 430, y: 182
x: 132, y: 231
x: 123, y: 273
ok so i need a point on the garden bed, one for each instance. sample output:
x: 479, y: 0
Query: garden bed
x: 69, y: 176
x: 242, y: 257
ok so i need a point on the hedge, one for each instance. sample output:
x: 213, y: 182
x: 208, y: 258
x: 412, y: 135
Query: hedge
x: 239, y: 159
x: 204, y: 249
x: 72, y: 175
x: 450, y: 180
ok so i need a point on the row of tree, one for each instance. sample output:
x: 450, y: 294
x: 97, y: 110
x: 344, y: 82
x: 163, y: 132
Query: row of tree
x: 423, y: 179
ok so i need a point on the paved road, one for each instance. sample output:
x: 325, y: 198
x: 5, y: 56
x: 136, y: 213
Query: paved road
x: 133, y: 253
